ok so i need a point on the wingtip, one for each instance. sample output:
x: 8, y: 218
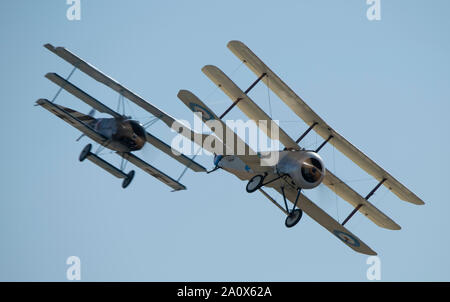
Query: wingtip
x: 183, y: 92
x: 234, y: 42
x: 49, y: 74
x: 208, y: 67
x: 49, y: 46
x: 40, y: 102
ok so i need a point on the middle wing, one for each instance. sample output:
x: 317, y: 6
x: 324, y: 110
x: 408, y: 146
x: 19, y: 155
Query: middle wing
x: 111, y: 83
x: 293, y: 101
x: 99, y: 106
x: 253, y: 111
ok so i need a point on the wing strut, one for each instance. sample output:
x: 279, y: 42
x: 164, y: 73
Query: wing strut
x: 245, y: 92
x: 324, y: 143
x: 306, y: 132
x: 360, y: 205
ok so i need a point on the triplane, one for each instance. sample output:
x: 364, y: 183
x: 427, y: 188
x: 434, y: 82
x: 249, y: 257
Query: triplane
x: 119, y: 133
x: 296, y: 169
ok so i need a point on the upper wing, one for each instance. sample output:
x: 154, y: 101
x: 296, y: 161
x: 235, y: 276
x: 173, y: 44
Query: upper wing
x: 74, y: 118
x: 247, y: 106
x: 108, y: 81
x: 77, y: 92
x: 330, y: 180
x: 175, y: 185
x: 323, y: 129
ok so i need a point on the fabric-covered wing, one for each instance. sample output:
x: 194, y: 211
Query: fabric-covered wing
x: 196, y: 105
x: 194, y: 166
x: 175, y: 185
x: 111, y: 83
x: 323, y: 129
x: 247, y: 106
x: 330, y: 180
x: 325, y: 220
x: 352, y: 197
x: 74, y: 118
x: 80, y: 94
x: 99, y: 76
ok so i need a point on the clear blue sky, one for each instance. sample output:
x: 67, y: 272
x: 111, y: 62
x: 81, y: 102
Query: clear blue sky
x: 384, y: 85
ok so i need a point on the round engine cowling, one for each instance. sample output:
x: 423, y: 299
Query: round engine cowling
x: 306, y: 168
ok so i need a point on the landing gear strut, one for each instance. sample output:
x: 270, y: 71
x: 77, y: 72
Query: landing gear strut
x: 294, y: 215
x: 257, y: 182
x: 127, y: 180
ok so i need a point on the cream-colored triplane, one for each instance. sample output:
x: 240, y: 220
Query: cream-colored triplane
x: 296, y: 168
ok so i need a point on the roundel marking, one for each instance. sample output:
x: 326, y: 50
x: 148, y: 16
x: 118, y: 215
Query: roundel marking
x: 205, y: 112
x: 347, y: 238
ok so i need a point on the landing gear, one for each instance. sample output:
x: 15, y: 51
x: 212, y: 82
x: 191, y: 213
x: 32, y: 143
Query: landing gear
x: 293, y: 218
x: 294, y: 215
x: 85, y: 152
x: 119, y: 173
x: 255, y: 183
x: 127, y: 180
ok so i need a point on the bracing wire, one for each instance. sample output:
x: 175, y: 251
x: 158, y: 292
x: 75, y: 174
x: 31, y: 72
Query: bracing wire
x: 61, y: 88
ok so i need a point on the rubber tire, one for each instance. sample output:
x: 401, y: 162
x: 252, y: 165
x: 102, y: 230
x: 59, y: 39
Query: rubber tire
x: 293, y: 218
x: 85, y: 152
x: 127, y: 180
x: 259, y: 185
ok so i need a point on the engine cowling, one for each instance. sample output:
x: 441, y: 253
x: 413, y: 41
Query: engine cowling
x: 306, y: 168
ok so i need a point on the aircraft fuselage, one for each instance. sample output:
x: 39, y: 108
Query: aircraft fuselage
x: 124, y: 134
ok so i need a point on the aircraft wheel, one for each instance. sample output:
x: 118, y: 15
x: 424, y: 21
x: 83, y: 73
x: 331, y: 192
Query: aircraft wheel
x: 254, y: 183
x: 293, y: 218
x: 85, y: 152
x: 127, y: 180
